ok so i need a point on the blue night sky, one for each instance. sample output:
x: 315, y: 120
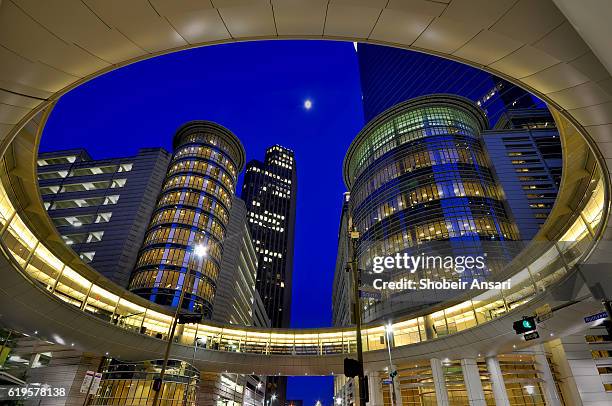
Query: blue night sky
x: 257, y: 90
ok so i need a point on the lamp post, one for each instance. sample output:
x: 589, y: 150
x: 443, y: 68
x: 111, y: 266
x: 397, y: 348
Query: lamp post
x: 200, y: 251
x: 354, y: 238
x: 389, y: 331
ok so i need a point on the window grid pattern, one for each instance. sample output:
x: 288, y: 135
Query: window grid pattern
x: 192, y: 210
x: 132, y: 384
x: 422, y: 184
x: 39, y: 263
x: 408, y: 126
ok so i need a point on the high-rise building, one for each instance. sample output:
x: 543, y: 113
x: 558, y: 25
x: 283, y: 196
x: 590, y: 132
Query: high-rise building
x: 233, y: 302
x: 101, y: 207
x: 342, y: 289
x: 196, y: 209
x: 189, y: 223
x: 269, y: 190
x: 236, y: 302
x: 392, y: 75
x: 525, y: 148
x: 419, y: 174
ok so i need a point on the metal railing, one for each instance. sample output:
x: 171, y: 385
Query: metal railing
x: 121, y: 308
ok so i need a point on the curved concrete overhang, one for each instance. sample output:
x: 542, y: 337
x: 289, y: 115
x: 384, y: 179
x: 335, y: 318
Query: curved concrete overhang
x: 49, y: 49
x: 29, y: 308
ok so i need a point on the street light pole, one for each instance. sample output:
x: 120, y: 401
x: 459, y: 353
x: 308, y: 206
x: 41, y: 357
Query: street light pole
x: 354, y: 236
x: 388, y: 330
x: 199, y: 251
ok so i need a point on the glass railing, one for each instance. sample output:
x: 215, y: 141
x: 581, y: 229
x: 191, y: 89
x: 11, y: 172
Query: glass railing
x: 120, y: 307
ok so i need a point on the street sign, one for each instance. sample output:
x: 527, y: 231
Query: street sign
x: 89, y: 375
x: 364, y: 294
x: 531, y: 336
x: 96, y: 383
x: 543, y: 312
x: 594, y: 317
x: 386, y: 381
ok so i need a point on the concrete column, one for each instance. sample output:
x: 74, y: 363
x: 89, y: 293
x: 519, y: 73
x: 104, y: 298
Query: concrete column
x: 550, y: 389
x: 375, y: 389
x: 580, y: 381
x: 34, y: 359
x: 473, y: 385
x: 178, y: 333
x: 66, y: 369
x: 497, y: 382
x: 437, y: 372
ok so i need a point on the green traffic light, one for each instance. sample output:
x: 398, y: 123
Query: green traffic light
x: 527, y: 324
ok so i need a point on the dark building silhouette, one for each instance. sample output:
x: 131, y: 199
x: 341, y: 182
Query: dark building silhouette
x: 269, y: 190
x: 391, y: 75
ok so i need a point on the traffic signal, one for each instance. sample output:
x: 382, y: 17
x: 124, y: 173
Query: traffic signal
x: 352, y: 368
x: 365, y: 392
x: 525, y: 325
x: 608, y: 325
x: 393, y: 374
x: 157, y: 384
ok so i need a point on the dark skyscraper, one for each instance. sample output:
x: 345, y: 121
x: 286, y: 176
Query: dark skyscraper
x: 269, y: 191
x: 391, y: 75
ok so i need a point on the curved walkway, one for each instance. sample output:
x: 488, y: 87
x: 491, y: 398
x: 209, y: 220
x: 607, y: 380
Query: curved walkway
x: 529, y: 43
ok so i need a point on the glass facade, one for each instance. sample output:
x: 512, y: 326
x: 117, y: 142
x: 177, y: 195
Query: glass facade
x: 111, y: 304
x: 269, y: 191
x: 132, y: 384
x: 192, y: 212
x: 418, y: 176
x: 390, y: 75
x: 526, y: 148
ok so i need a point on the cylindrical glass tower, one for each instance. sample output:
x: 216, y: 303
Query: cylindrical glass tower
x: 188, y: 225
x: 420, y: 182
